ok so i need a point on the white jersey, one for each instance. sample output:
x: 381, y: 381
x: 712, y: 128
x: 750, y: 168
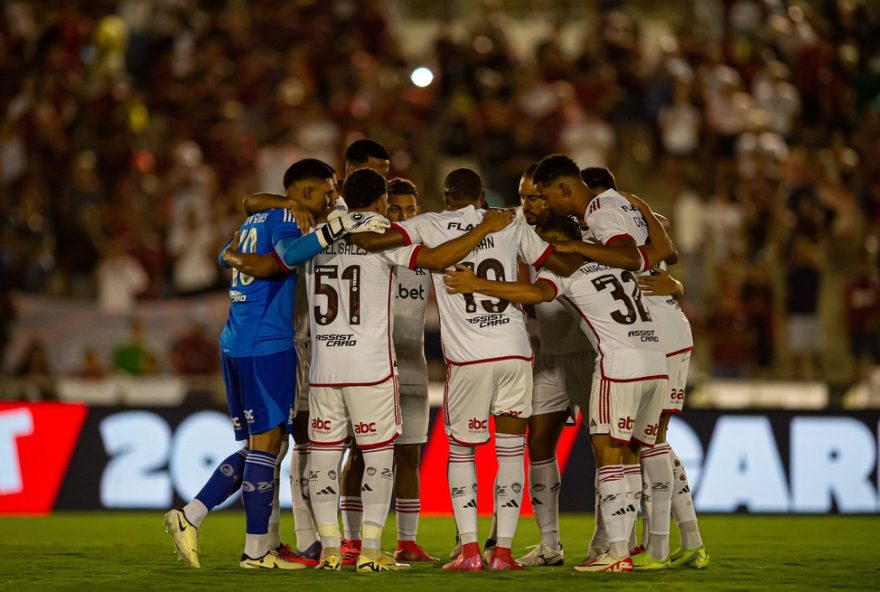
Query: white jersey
x: 628, y: 344
x: 410, y: 306
x: 350, y: 296
x: 610, y: 217
x: 474, y: 327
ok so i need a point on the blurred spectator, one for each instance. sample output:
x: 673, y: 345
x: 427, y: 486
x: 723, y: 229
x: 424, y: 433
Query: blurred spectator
x: 120, y: 279
x: 861, y: 294
x: 193, y: 353
x: 92, y: 368
x: 34, y: 367
x: 806, y: 337
x: 193, y: 249
x: 757, y: 295
x: 728, y: 328
x: 132, y: 357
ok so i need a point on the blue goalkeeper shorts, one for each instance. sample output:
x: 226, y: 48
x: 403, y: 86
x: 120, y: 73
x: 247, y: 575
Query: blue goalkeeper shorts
x: 260, y: 391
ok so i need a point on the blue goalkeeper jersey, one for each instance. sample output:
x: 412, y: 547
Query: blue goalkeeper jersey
x: 260, y: 310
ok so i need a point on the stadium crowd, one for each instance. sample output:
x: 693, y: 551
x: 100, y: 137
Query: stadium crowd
x: 130, y: 130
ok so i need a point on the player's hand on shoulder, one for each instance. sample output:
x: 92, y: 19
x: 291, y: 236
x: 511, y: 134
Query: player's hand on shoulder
x: 303, y: 218
x: 569, y: 246
x: 660, y: 283
x: 497, y: 219
x: 355, y: 222
x: 460, y: 280
x: 230, y: 250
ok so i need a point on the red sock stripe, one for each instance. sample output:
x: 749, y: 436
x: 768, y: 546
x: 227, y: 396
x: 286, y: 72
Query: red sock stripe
x: 652, y: 452
x: 542, y: 463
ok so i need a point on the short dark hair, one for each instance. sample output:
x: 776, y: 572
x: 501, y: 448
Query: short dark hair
x: 360, y: 151
x: 463, y: 184
x: 363, y: 187
x: 529, y: 173
x: 555, y: 166
x: 565, y: 225
x: 398, y: 186
x: 596, y: 177
x: 307, y: 168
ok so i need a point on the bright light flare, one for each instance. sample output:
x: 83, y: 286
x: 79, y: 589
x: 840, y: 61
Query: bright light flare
x: 422, y: 77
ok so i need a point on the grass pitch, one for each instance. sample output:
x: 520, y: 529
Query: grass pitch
x: 130, y: 551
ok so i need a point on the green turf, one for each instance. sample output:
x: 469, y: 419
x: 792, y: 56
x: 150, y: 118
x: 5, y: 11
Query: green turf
x: 129, y: 551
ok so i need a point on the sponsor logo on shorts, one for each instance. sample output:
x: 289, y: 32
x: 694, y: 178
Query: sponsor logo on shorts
x: 478, y: 425
x: 365, y: 428
x: 644, y: 335
x: 320, y: 424
x: 677, y: 395
x: 489, y: 320
x: 625, y: 423
x: 337, y: 339
x: 651, y: 430
x: 236, y: 423
x: 249, y: 415
x: 510, y: 413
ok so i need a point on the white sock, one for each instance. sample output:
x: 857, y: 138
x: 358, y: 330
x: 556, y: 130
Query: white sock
x: 657, y: 495
x: 599, y: 542
x: 544, y: 483
x: 612, y: 504
x: 324, y: 491
x: 463, y: 489
x: 407, y: 518
x: 274, y: 535
x: 633, y: 477
x: 509, y: 480
x: 683, y: 505
x: 195, y: 512
x: 352, y: 509
x: 256, y: 545
x: 306, y: 532
x: 376, y: 487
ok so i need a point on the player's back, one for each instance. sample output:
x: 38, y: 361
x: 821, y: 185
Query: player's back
x: 474, y: 327
x: 410, y: 306
x: 350, y: 297
x: 615, y: 320
x: 610, y: 216
x: 259, y: 321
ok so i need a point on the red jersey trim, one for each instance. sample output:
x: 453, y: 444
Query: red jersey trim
x: 616, y: 238
x: 468, y: 444
x: 284, y: 267
x: 681, y: 351
x: 320, y: 444
x: 642, y: 442
x: 552, y: 283
x: 540, y: 260
x: 671, y: 411
x: 378, y: 444
x: 406, y: 238
x: 414, y: 256
x: 345, y: 384
x: 646, y: 262
x: 451, y: 363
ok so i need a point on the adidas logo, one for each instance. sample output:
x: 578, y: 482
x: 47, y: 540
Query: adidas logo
x: 327, y: 491
x: 622, y: 511
x: 470, y: 504
x: 366, y: 487
x: 593, y: 423
x: 536, y: 502
x: 686, y: 489
x: 511, y: 504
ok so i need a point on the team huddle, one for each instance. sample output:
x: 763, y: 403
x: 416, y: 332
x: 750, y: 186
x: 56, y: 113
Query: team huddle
x: 325, y: 342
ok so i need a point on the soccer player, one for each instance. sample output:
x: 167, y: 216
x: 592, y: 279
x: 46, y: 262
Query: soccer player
x: 353, y: 374
x: 489, y: 361
x: 665, y: 482
x: 629, y: 377
x: 367, y: 154
x: 259, y: 365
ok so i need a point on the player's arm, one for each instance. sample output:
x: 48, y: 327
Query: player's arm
x: 260, y: 202
x: 660, y: 247
x: 563, y: 264
x: 660, y: 283
x: 463, y: 281
x: 667, y: 226
x: 442, y: 256
x: 292, y: 249
x: 623, y: 253
x: 373, y: 242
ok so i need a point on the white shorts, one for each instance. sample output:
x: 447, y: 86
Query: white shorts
x: 476, y: 391
x: 303, y: 362
x: 371, y: 412
x: 678, y: 377
x: 627, y: 410
x: 562, y: 382
x: 414, y: 408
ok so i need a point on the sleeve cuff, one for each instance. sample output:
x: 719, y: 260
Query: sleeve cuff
x: 646, y: 262
x: 540, y: 260
x: 616, y: 238
x: 414, y: 257
x: 552, y: 283
x: 406, y: 238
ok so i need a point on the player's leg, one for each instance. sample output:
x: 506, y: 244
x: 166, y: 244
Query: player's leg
x: 407, y: 451
x: 511, y: 406
x: 375, y: 415
x: 632, y: 474
x: 467, y: 398
x: 611, y: 407
x: 328, y: 434
x: 275, y: 516
x: 307, y: 543
x: 351, y: 505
